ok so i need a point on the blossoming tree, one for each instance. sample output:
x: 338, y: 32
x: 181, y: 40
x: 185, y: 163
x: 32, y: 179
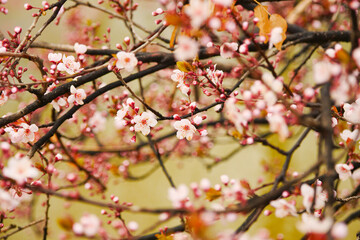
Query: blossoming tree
x: 78, y: 114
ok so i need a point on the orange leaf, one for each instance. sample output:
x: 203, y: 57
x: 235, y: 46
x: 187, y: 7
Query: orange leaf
x: 264, y: 24
x: 65, y: 223
x: 278, y: 21
x: 184, y: 66
x: 173, y: 19
x: 173, y: 37
x: 212, y: 194
x: 162, y: 236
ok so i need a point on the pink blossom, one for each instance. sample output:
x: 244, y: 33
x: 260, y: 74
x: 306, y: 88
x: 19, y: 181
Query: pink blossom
x: 224, y: 3
x: 2, y: 48
x: 339, y: 230
x: 28, y: 132
x: 178, y: 195
x: 283, y: 208
x: 184, y: 88
x: 24, y: 133
x: 228, y: 50
x: 308, y: 197
x: 54, y: 57
x: 3, y: 98
x: 126, y: 60
x: 278, y: 125
x: 97, y: 122
x: 182, y: 236
x: 187, y: 48
x: 343, y: 170
x: 356, y: 56
x: 80, y: 48
x: 57, y: 103
x: 7, y: 202
x: 184, y: 129
x: 69, y: 65
x: 178, y: 76
x: 356, y: 176
x: 275, y: 36
x: 352, y: 112
x: 198, y: 120
x: 89, y: 225
x: 312, y: 224
x: 216, y: 76
x: 350, y: 135
x: 143, y: 122
x: 198, y: 11
x: 19, y: 169
x: 324, y: 70
x: 77, y: 95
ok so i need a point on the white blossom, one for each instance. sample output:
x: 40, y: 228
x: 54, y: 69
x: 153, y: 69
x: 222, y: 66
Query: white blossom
x: 126, y: 60
x: 20, y: 169
x: 187, y: 48
x: 54, y: 57
x: 89, y: 225
x: 312, y: 224
x: 69, y: 65
x: 283, y: 208
x: 184, y: 129
x: 343, y: 170
x: 178, y: 195
x: 77, y: 95
x: 143, y: 122
x: 308, y: 197
x: 80, y: 48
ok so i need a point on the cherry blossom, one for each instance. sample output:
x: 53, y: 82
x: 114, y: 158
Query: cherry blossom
x: 352, y: 112
x: 283, y: 208
x: 20, y: 169
x: 28, y: 132
x: 97, y: 122
x: 181, y: 236
x: 308, y: 197
x: 3, y: 98
x: 7, y: 202
x: 187, y: 48
x: 2, y: 48
x: 324, y: 70
x: 143, y: 122
x: 184, y: 88
x: 89, y: 225
x: 224, y: 3
x: 55, y: 57
x: 178, y: 76
x: 69, y: 65
x: 356, y: 176
x: 198, y: 11
x: 178, y: 195
x: 350, y: 135
x: 275, y: 36
x: 24, y: 133
x: 343, y: 170
x: 184, y: 129
x: 126, y: 60
x: 356, y: 56
x: 228, y: 50
x: 312, y: 224
x: 278, y: 124
x: 80, y: 48
x: 216, y: 76
x: 339, y: 230
x: 58, y: 103
x: 77, y: 95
